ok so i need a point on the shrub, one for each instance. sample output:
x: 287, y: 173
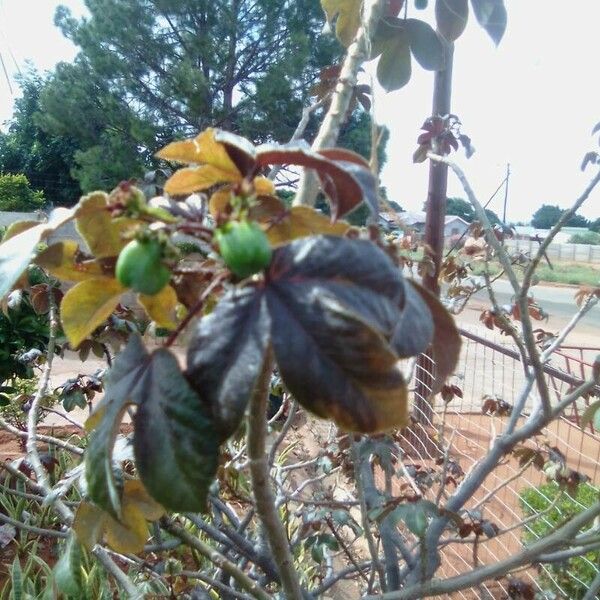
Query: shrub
x: 16, y: 194
x: 589, y: 237
x: 574, y: 576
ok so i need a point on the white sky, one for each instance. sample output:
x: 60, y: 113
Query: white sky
x: 531, y: 102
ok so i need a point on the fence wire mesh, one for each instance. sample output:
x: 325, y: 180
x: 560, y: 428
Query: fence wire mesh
x: 489, y: 366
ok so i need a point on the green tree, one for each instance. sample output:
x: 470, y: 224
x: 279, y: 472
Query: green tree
x: 178, y: 67
x: 461, y: 208
x: 546, y: 216
x: 595, y: 225
x: 17, y: 195
x: 46, y: 159
x: 577, y: 221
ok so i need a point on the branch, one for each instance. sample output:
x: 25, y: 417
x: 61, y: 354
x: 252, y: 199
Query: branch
x: 342, y: 95
x: 252, y: 587
x: 435, y: 587
x: 259, y: 470
x: 522, y: 299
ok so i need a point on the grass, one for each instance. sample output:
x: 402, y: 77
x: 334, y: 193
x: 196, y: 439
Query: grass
x: 562, y: 273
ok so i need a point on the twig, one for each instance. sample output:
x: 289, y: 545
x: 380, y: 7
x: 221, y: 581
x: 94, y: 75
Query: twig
x: 300, y: 129
x: 263, y: 495
x: 47, y: 439
x: 252, y: 587
x: 529, y: 554
x: 32, y: 529
x: 522, y: 299
x: 364, y: 513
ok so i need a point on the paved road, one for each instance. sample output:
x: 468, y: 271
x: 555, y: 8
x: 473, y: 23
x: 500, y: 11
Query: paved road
x: 558, y: 302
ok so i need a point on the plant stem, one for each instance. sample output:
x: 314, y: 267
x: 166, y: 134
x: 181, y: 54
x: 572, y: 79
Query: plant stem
x: 263, y: 495
x: 340, y: 101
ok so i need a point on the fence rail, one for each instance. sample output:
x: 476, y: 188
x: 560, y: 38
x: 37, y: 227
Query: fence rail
x: 581, y: 253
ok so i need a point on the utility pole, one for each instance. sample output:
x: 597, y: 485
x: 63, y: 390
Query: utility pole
x: 438, y: 176
x: 506, y: 193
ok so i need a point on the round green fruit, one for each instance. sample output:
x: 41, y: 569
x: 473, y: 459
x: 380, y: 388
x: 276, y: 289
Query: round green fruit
x: 140, y: 267
x: 244, y: 247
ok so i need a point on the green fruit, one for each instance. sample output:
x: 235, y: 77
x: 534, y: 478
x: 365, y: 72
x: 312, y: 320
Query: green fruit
x: 140, y: 267
x: 244, y: 247
x: 421, y: 4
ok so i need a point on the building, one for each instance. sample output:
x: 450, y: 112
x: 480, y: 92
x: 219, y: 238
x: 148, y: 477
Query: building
x: 454, y: 226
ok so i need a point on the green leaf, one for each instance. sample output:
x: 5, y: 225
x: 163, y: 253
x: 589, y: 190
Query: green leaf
x: 591, y: 415
x: 123, y: 386
x: 176, y: 444
x: 334, y: 303
x: 226, y: 354
x: 394, y: 66
x: 72, y: 400
x: 416, y: 515
x: 425, y: 45
x: 67, y: 571
x: 492, y: 16
x: 18, y: 251
x: 16, y: 579
x: 451, y: 17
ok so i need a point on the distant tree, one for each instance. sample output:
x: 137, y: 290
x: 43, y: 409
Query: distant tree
x: 546, y: 216
x: 177, y: 67
x: 461, y: 208
x: 595, y: 225
x: 577, y: 221
x: 46, y: 159
x: 493, y: 217
x: 17, y: 195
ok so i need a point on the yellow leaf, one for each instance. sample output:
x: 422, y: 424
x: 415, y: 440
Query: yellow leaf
x: 135, y: 493
x: 219, y: 200
x: 88, y: 524
x: 87, y: 305
x: 203, y: 149
x: 348, y: 18
x: 302, y: 221
x: 103, y: 234
x: 161, y: 307
x: 18, y: 227
x: 61, y: 261
x: 263, y: 186
x: 130, y: 534
x: 195, y: 179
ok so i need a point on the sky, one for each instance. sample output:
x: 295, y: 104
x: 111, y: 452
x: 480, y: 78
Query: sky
x: 530, y: 102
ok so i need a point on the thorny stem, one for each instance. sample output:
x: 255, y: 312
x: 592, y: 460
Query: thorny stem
x: 261, y: 487
x: 342, y: 95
